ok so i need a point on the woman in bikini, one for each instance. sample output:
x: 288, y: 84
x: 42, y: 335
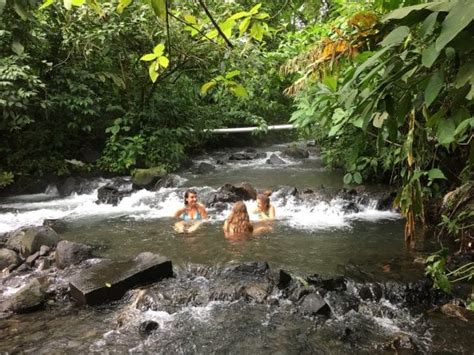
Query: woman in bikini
x: 192, y: 214
x: 265, y: 210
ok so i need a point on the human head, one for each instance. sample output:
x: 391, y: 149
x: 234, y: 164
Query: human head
x: 240, y: 209
x: 190, y: 196
x: 239, y: 220
x: 263, y: 201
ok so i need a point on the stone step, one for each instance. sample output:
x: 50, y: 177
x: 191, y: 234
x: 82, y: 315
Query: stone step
x: 109, y: 280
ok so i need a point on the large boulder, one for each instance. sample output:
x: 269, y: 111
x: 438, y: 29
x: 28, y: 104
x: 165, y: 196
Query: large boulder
x: 205, y: 168
x: 71, y: 253
x: 232, y: 193
x: 147, y: 178
x: 296, y: 152
x: 8, y: 257
x: 29, y: 240
x: 27, y: 298
x: 110, y: 195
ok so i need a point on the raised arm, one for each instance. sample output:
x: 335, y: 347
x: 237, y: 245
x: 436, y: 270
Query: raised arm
x: 202, y: 211
x: 179, y: 212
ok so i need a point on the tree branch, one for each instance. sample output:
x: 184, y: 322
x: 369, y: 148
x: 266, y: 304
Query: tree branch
x: 215, y: 24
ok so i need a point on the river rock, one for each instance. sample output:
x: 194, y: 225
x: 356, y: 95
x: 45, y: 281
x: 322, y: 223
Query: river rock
x: 29, y: 240
x: 296, y: 152
x: 247, y: 155
x: 385, y: 201
x: 205, y: 168
x: 58, y: 225
x: 108, y: 280
x: 30, y: 260
x: 258, y: 291
x: 74, y: 185
x: 27, y: 298
x: 8, y: 257
x: 313, y: 304
x: 71, y: 253
x: 275, y: 160
x: 147, y: 178
x: 169, y: 180
x: 231, y: 193
x: 109, y: 194
x: 147, y: 327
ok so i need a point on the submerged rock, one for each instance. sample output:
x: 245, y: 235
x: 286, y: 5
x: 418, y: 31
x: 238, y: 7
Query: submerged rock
x: 275, y: 160
x: 70, y: 253
x: 147, y: 327
x: 26, y: 299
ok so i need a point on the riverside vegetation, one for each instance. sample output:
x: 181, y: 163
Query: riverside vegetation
x: 385, y: 88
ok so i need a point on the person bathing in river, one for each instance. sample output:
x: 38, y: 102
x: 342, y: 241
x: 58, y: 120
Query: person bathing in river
x: 238, y: 222
x: 192, y: 214
x: 265, y: 210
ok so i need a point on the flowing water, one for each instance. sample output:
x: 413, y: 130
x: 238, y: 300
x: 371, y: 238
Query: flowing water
x: 306, y: 238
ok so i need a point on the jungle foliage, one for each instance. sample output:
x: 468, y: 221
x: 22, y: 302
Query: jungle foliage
x: 390, y: 97
x: 385, y: 86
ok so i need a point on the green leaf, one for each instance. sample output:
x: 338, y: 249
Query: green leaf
x: 4, y: 2
x: 122, y: 5
x: 163, y: 61
x: 18, y: 48
x: 397, y: 36
x: 357, y: 178
x: 148, y: 57
x: 20, y: 10
x: 254, y: 9
x: 428, y: 24
x: 403, y: 12
x: 239, y: 91
x: 331, y: 82
x: 436, y: 174
x: 207, y: 86
x: 190, y: 19
x: 379, y: 118
x: 244, y: 25
x: 434, y: 87
x: 261, y: 16
x: 335, y: 129
x: 257, y: 31
x: 77, y: 3
x: 226, y: 27
x: 67, y: 4
x: 159, y: 8
x: 239, y: 15
x: 463, y: 125
x: 347, y: 178
x: 159, y: 49
x: 445, y: 132
x: 465, y: 75
x: 429, y: 55
x: 232, y: 73
x: 460, y: 16
x: 46, y: 3
x: 152, y: 72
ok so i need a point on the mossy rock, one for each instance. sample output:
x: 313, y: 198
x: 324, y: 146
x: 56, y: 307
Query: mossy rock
x: 147, y: 178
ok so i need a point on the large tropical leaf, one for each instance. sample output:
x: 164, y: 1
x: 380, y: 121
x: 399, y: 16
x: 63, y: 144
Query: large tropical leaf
x: 442, y: 6
x: 458, y: 18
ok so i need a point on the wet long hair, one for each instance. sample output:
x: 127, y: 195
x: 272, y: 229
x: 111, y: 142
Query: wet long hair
x: 187, y: 193
x: 238, y: 220
x: 264, y: 198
